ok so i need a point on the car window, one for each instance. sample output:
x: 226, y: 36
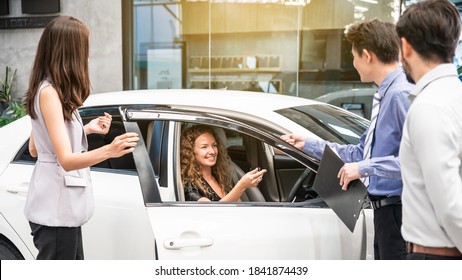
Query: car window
x: 246, y: 152
x: 96, y: 141
x: 23, y: 156
x: 328, y: 122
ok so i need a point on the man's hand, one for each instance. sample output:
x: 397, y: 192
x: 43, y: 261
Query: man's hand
x: 296, y: 140
x: 348, y: 173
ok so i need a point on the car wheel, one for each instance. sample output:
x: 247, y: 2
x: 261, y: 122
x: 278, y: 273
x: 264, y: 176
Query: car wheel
x: 8, y: 251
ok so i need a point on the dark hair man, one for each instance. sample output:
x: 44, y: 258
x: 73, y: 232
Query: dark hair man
x: 431, y: 148
x: 375, y: 50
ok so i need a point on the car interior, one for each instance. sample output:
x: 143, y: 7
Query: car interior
x: 247, y: 152
x: 237, y: 170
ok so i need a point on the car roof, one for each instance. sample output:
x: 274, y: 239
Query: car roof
x: 242, y: 101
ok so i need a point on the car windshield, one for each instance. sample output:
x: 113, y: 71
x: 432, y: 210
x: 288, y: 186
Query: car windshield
x: 328, y: 122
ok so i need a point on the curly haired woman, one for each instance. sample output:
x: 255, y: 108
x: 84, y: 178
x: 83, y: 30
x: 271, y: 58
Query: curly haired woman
x: 205, y: 169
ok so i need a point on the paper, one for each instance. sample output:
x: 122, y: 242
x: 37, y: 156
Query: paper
x: 346, y: 204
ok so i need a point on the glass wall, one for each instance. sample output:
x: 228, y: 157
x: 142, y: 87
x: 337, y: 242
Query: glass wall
x: 294, y: 47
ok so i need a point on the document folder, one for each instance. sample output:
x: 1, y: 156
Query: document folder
x: 346, y: 204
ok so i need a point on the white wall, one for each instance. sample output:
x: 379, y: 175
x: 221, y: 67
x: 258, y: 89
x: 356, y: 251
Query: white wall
x: 103, y: 18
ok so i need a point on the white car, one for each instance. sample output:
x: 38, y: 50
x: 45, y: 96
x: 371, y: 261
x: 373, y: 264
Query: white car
x: 141, y: 212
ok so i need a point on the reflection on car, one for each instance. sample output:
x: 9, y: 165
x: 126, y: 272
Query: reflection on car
x: 357, y: 100
x: 141, y: 212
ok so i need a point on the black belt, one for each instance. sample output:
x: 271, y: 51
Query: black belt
x: 379, y: 203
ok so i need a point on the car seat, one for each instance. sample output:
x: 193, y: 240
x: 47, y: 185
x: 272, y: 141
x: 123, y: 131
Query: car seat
x: 251, y: 194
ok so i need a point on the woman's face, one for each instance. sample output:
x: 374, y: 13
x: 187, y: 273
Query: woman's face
x: 206, y: 150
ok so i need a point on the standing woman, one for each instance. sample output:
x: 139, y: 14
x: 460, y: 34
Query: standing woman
x: 60, y: 198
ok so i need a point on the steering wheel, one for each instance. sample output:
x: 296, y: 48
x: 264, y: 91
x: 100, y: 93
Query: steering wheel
x: 298, y: 184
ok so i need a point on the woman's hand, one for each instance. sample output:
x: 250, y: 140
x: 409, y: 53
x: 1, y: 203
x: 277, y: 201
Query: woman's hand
x: 252, y: 178
x: 100, y: 125
x: 123, y: 144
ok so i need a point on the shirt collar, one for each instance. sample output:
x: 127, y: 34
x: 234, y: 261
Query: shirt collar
x: 440, y: 71
x: 389, y: 79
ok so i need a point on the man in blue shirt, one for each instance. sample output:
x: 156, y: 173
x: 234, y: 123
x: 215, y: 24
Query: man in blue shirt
x: 375, y: 50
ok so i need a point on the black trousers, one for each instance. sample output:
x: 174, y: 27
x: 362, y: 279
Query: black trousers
x: 57, y: 243
x: 388, y: 241
x: 419, y: 256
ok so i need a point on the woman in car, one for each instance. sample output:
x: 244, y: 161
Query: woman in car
x: 205, y: 168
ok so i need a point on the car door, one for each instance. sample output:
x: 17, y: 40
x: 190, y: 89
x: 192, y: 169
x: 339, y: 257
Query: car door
x: 120, y: 227
x: 249, y: 230
x: 212, y: 231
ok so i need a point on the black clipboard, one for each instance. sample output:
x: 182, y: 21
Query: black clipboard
x: 346, y: 204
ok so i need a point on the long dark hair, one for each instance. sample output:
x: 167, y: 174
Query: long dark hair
x: 62, y: 57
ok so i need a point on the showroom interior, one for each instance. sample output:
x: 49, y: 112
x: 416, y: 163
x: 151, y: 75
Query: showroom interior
x: 292, y: 47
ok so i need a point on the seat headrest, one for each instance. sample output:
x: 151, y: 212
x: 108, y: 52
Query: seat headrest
x: 220, y: 134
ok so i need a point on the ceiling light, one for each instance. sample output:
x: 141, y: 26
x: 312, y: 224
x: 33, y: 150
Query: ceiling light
x: 370, y: 1
x: 361, y: 9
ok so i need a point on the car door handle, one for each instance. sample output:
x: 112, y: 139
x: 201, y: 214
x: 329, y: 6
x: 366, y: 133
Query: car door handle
x: 18, y: 189
x: 178, y: 243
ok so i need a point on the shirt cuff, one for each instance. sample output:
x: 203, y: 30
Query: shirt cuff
x: 365, y: 168
x: 312, y: 147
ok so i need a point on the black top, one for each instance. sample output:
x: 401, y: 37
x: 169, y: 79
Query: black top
x: 192, y: 192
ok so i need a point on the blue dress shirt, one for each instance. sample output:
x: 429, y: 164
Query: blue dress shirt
x: 383, y: 167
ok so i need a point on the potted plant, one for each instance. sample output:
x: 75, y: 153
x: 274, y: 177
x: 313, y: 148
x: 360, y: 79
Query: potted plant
x: 9, y: 110
x: 5, y: 90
